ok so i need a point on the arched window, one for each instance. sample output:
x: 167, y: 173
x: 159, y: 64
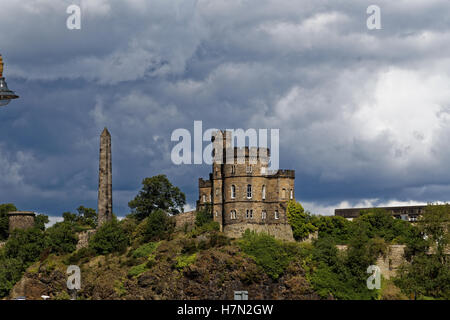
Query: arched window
x: 249, y: 191
x: 249, y: 214
x: 292, y: 194
x: 283, y: 193
x: 233, y: 214
x: 263, y: 215
x: 233, y: 169
x: 264, y: 192
x: 204, y: 198
x: 233, y: 191
x: 276, y: 215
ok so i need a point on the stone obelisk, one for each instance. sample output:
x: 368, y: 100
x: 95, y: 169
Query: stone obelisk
x: 105, y: 179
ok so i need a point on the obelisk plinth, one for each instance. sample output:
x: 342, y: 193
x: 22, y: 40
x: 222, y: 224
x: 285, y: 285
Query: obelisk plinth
x: 105, y: 179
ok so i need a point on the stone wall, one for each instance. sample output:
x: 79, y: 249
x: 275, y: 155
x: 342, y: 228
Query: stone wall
x: 83, y: 238
x: 20, y: 220
x: 388, y: 263
x: 184, y: 218
x: 279, y: 231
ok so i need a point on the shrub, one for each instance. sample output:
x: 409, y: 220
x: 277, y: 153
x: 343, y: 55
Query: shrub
x: 145, y: 250
x: 269, y: 253
x: 110, y: 237
x: 4, y: 221
x: 82, y: 254
x: 184, y: 261
x: 137, y: 270
x: 61, y: 238
x: 300, y: 221
x: 25, y: 245
x: 159, y: 226
x: 203, y: 216
x: 10, y: 272
x: 207, y: 227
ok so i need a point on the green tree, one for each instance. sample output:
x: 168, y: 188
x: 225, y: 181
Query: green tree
x: 40, y: 221
x: 300, y: 221
x: 159, y: 226
x: 428, y: 273
x: 25, y: 245
x: 157, y: 193
x: 84, y: 218
x: 61, y: 238
x: 109, y: 238
x: 10, y: 272
x: 334, y: 227
x: 87, y: 216
x: 4, y: 223
x: 204, y: 216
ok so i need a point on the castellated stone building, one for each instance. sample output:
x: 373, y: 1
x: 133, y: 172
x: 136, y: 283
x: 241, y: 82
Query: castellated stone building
x: 20, y: 220
x: 243, y: 193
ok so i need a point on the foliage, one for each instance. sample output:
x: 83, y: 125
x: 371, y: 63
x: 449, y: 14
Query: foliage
x: 335, y: 227
x: 25, y: 245
x: 4, y: 223
x: 300, y: 221
x: 40, y: 221
x: 137, y: 270
x: 157, y: 194
x: 10, y: 272
x: 380, y: 223
x: 159, y: 226
x: 203, y: 216
x: 184, y: 261
x: 145, y: 250
x: 428, y: 273
x: 211, y: 226
x: 109, y: 238
x: 84, y: 218
x: 84, y: 254
x: 270, y: 254
x: 61, y: 238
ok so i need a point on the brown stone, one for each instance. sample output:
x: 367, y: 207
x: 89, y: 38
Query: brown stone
x: 105, y: 179
x: 20, y: 220
x: 247, y: 170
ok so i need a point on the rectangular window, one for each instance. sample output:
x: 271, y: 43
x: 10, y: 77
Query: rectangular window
x: 263, y: 215
x: 233, y: 191
x: 249, y: 168
x: 292, y: 194
x: 276, y: 215
x: 233, y: 169
x: 249, y: 214
x: 249, y: 191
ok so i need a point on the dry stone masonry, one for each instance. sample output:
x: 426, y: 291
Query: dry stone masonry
x: 105, y: 179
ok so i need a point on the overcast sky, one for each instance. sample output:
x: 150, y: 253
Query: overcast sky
x: 364, y: 115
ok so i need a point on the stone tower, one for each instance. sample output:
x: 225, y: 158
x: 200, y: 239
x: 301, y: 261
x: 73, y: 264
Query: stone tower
x: 105, y: 179
x: 20, y: 220
x: 242, y: 192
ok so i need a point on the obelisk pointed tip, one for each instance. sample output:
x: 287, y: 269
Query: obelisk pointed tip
x: 105, y: 132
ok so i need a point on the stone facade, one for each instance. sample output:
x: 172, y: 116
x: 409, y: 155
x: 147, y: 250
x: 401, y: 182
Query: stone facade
x: 84, y: 237
x: 20, y: 220
x: 388, y: 263
x: 243, y: 193
x: 184, y: 218
x: 105, y: 179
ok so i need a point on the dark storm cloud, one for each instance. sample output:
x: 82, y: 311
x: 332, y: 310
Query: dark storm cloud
x: 363, y: 114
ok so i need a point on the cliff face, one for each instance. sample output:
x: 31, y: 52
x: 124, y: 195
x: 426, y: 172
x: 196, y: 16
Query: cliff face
x: 215, y: 273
